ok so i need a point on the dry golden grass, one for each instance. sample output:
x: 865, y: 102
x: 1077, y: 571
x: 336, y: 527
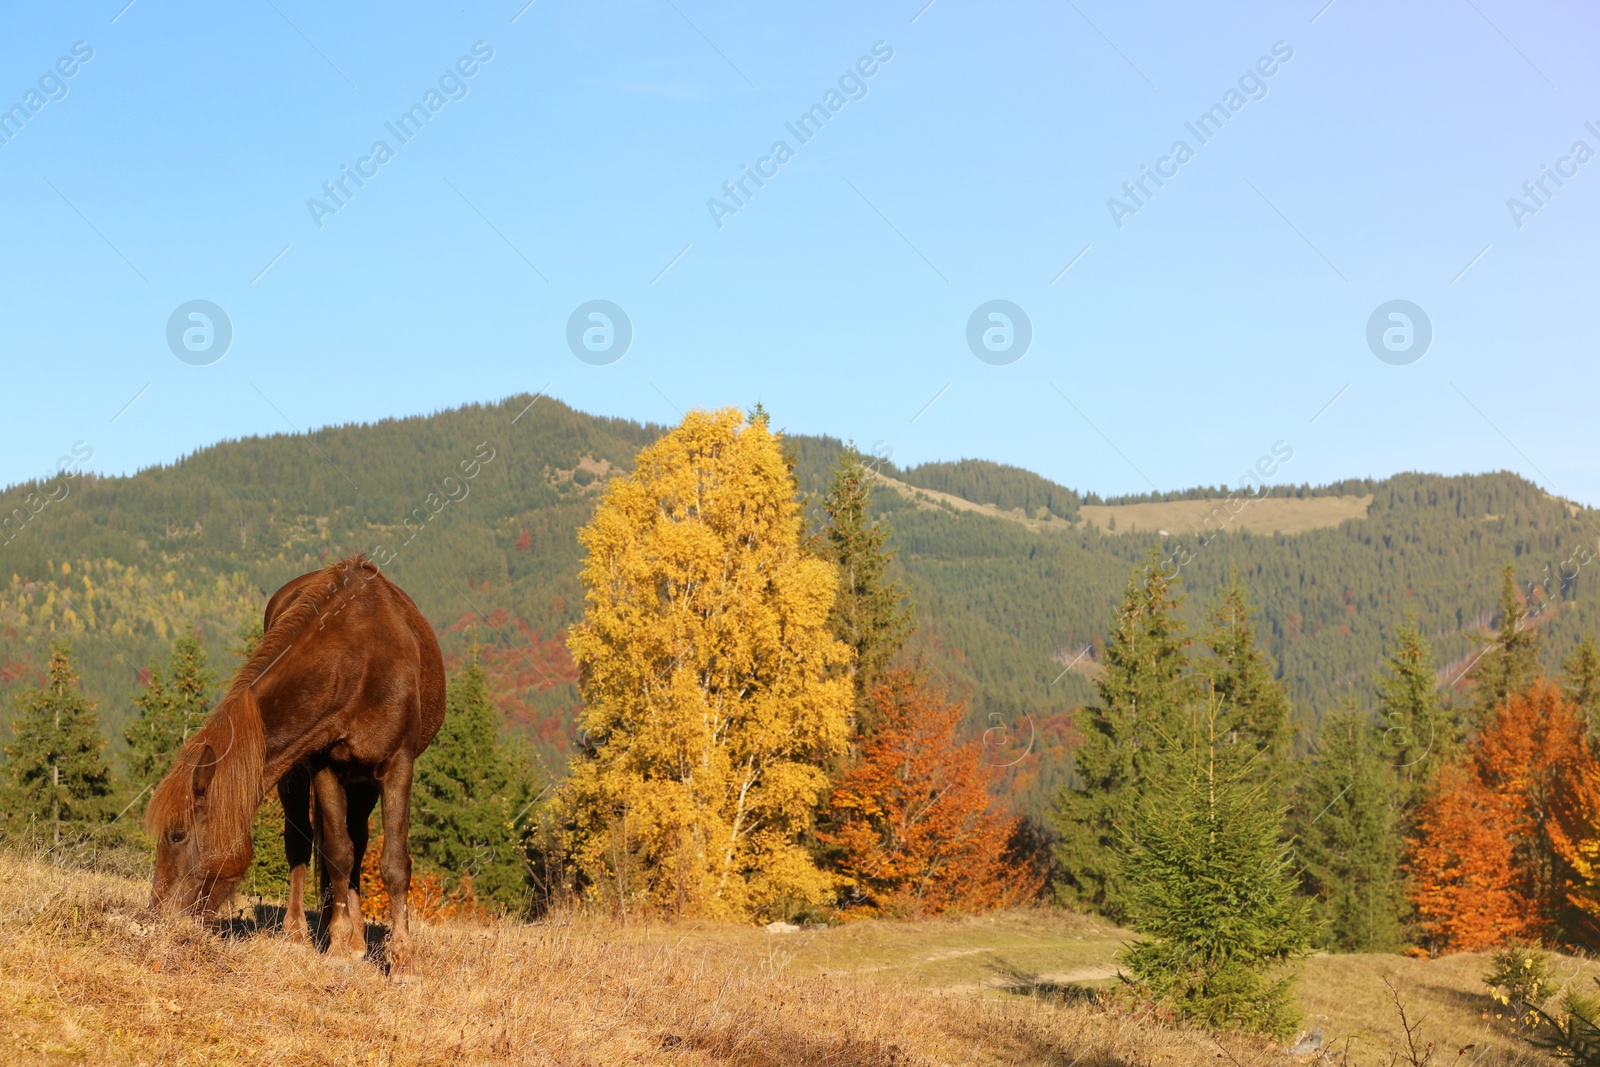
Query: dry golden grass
x: 1187, y: 518
x: 87, y: 977
x: 1005, y: 952
x: 1346, y: 997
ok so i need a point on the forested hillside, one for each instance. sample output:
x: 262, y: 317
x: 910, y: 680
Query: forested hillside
x: 1007, y: 488
x: 474, y: 511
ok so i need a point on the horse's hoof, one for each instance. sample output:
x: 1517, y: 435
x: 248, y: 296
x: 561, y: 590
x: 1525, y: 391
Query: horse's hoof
x: 401, y: 968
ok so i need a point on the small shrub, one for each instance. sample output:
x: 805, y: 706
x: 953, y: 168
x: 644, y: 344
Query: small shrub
x: 1574, y: 1031
x: 1519, y: 979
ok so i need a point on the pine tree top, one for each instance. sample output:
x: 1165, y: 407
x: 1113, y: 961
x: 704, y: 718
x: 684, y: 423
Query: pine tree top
x: 1581, y: 674
x: 1146, y: 655
x: 171, y: 706
x: 1255, y: 709
x: 1511, y: 660
x: 1416, y: 734
x: 869, y: 612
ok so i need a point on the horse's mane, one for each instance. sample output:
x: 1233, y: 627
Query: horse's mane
x: 235, y: 732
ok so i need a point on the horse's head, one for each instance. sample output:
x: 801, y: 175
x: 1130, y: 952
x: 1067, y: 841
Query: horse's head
x: 199, y: 859
x: 201, y: 812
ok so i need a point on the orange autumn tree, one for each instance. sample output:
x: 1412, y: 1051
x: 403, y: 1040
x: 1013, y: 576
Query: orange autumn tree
x: 429, y: 898
x: 1465, y: 889
x: 1534, y: 754
x: 1491, y: 859
x: 918, y: 830
x: 1575, y: 837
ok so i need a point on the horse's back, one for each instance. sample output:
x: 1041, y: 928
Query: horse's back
x: 432, y: 686
x: 362, y: 666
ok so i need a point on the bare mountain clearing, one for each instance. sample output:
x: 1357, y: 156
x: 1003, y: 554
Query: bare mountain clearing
x: 934, y: 499
x: 1268, y: 515
x: 1192, y: 518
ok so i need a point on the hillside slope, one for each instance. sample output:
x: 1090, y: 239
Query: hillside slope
x: 476, y: 510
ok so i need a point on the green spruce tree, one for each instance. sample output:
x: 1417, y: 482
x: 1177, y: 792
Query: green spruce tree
x: 1145, y: 692
x: 56, y: 778
x: 1254, y: 709
x: 246, y: 638
x: 869, y: 613
x: 472, y: 795
x: 1347, y: 818
x: 1415, y: 733
x: 1212, y: 893
x: 1581, y: 673
x: 1512, y: 659
x: 170, y: 710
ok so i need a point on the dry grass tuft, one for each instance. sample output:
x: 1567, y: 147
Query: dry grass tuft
x: 1349, y: 998
x: 87, y: 976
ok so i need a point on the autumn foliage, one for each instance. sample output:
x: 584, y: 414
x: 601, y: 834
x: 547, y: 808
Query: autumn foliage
x: 1467, y: 892
x: 918, y: 829
x: 714, y: 692
x: 1575, y: 838
x: 1500, y: 842
x: 430, y: 899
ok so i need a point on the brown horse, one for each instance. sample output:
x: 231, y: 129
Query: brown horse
x: 344, y: 691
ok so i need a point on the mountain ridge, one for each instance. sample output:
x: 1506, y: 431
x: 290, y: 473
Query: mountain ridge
x: 1005, y: 596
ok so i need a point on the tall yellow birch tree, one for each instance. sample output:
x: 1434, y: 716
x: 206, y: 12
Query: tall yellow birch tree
x: 713, y: 689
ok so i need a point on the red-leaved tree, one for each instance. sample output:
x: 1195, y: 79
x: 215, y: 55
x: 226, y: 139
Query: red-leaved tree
x: 1467, y: 893
x: 916, y: 827
x: 1487, y: 860
x: 427, y: 897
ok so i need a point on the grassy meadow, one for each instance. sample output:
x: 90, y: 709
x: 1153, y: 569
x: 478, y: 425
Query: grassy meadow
x: 88, y: 977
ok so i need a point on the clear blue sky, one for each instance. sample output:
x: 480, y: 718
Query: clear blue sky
x: 577, y: 164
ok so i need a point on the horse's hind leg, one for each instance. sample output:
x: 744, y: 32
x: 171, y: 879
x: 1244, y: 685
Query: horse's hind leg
x: 294, y: 792
x: 363, y: 797
x: 338, y: 858
x: 396, y: 862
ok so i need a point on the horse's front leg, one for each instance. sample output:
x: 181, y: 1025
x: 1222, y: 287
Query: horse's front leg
x: 396, y: 860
